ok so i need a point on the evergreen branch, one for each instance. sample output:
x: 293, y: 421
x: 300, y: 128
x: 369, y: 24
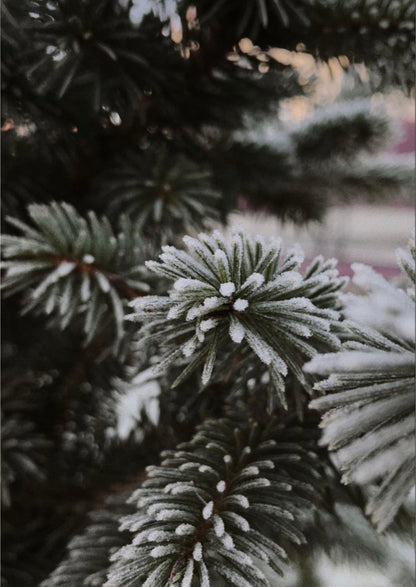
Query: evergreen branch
x: 24, y: 453
x: 374, y: 178
x: 80, y: 268
x: 165, y: 194
x: 88, y: 553
x: 256, y: 15
x: 339, y: 130
x: 94, y: 46
x: 369, y: 415
x: 378, y: 33
x: 217, y: 506
x: 24, y: 448
x: 240, y: 289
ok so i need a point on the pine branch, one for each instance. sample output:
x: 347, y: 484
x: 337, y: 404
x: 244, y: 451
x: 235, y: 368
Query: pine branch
x: 88, y: 553
x: 240, y: 290
x: 218, y: 506
x: 377, y: 33
x: 370, y: 411
x: 24, y: 453
x: 340, y: 130
x: 163, y: 193
x: 80, y: 268
x: 375, y: 178
x: 94, y: 46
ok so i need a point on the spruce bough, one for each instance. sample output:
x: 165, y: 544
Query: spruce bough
x: 240, y: 290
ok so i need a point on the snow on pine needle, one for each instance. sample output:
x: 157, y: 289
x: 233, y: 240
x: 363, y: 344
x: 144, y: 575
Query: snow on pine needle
x: 386, y: 307
x: 237, y: 494
x: 75, y: 269
x: 369, y: 408
x: 240, y: 291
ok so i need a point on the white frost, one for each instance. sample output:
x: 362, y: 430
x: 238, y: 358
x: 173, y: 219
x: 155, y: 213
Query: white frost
x: 189, y: 347
x: 227, y: 541
x: 236, y: 331
x: 159, y: 551
x: 88, y: 259
x: 221, y: 486
x: 184, y: 529
x: 206, y: 325
x: 256, y: 279
x: 227, y: 289
x: 197, y: 552
x: 219, y: 527
x: 207, y: 511
x: 210, y: 303
x: 240, y: 305
x: 187, y: 578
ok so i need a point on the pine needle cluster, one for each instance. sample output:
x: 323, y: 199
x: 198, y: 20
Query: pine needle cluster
x: 80, y: 268
x: 219, y: 506
x: 242, y: 291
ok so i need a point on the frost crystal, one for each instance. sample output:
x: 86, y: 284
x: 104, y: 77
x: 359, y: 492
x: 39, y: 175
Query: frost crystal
x: 251, y: 471
x: 160, y: 551
x: 165, y: 515
x: 205, y: 582
x: 207, y: 511
x: 185, y: 529
x: 206, y: 325
x: 240, y: 305
x: 173, y: 313
x: 206, y: 469
x: 88, y: 259
x: 241, y: 500
x: 221, y: 486
x: 239, y: 521
x: 255, y: 279
x: 227, y: 289
x: 189, y: 348
x: 158, y: 536
x: 227, y: 541
x: 236, y: 331
x: 212, y: 302
x: 218, y: 525
x: 197, y: 552
x: 187, y: 578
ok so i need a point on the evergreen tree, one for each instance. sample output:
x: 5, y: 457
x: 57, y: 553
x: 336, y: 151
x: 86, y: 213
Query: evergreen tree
x: 129, y: 128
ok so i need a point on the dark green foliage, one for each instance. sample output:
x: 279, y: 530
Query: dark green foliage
x: 24, y: 449
x: 336, y: 130
x: 89, y: 552
x: 254, y: 16
x: 72, y: 261
x: 95, y: 48
x: 380, y: 33
x: 163, y: 194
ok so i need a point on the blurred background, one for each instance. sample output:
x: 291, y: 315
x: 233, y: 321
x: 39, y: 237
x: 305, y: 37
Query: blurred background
x: 358, y: 230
